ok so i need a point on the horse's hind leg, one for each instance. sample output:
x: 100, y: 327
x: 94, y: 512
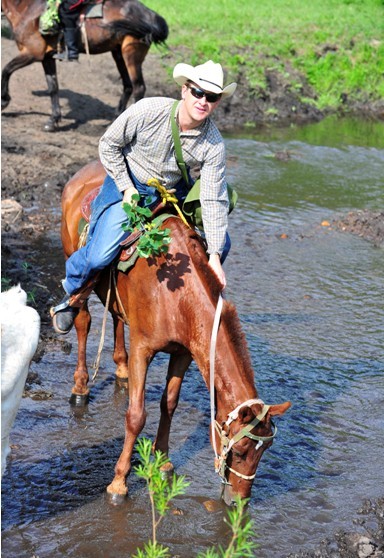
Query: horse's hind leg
x: 134, y: 53
x: 127, y: 84
x: 80, y: 391
x: 120, y: 355
x: 49, y: 65
x: 178, y: 365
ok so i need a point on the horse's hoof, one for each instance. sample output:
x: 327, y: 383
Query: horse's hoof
x: 166, y: 471
x: 50, y: 126
x: 121, y: 382
x: 79, y: 400
x: 5, y: 102
x: 116, y: 499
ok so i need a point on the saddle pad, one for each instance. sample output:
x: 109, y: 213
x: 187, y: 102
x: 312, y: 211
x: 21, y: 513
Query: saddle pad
x: 94, y: 10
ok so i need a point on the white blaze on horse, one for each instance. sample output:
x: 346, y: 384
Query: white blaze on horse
x: 20, y: 330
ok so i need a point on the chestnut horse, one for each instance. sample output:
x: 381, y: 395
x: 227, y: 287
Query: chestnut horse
x: 126, y: 29
x: 169, y: 303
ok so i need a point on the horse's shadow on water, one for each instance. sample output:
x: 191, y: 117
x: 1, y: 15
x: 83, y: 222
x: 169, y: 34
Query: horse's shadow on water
x: 46, y: 488
x: 32, y: 491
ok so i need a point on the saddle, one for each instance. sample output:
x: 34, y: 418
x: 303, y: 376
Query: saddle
x: 94, y: 9
x: 49, y: 23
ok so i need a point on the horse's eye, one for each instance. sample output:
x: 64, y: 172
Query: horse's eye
x: 237, y: 452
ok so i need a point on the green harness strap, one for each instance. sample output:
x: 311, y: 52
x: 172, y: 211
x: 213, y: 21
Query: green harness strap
x: 192, y: 205
x: 177, y: 143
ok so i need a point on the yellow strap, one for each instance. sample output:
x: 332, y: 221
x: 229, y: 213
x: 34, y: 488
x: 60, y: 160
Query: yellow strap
x: 167, y: 197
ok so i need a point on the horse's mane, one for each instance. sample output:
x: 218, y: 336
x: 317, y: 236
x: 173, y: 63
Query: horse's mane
x: 229, y: 314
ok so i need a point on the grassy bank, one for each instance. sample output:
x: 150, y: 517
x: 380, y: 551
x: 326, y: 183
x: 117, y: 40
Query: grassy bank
x: 336, y: 47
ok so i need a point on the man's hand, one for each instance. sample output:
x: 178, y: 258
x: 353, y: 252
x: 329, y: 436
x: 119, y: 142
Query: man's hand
x: 128, y: 193
x: 215, y: 264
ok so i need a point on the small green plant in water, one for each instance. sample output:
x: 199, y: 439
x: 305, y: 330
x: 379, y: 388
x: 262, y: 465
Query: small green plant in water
x: 153, y: 241
x: 242, y: 543
x: 162, y: 490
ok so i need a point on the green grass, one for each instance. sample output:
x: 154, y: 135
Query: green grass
x: 336, y: 46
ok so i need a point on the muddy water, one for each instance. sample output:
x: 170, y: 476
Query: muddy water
x: 310, y: 300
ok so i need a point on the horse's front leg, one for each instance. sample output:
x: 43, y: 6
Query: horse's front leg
x: 80, y: 391
x: 178, y: 365
x: 134, y: 420
x: 120, y: 355
x: 16, y: 63
x: 49, y: 65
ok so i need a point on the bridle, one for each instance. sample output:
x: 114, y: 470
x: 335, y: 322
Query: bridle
x: 226, y: 443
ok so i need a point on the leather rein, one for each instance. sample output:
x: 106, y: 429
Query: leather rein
x: 226, y: 443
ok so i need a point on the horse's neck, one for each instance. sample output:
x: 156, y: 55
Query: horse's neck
x: 234, y: 382
x: 232, y: 371
x: 233, y: 374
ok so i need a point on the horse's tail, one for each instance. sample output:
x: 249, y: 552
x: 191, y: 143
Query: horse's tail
x: 140, y: 22
x: 159, y: 29
x: 156, y: 32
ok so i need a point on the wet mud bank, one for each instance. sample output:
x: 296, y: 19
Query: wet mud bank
x: 365, y: 538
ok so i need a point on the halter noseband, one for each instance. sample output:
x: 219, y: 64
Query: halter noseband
x: 227, y: 443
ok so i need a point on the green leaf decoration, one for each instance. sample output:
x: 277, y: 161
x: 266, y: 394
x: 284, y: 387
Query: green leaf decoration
x: 153, y: 241
x: 51, y: 15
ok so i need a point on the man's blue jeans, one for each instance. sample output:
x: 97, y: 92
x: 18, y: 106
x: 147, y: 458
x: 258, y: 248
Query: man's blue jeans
x: 106, y: 233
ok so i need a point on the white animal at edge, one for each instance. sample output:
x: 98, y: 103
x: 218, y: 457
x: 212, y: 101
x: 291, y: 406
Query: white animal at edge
x: 20, y: 330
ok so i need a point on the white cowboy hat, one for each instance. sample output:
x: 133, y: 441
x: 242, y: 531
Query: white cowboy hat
x: 209, y: 76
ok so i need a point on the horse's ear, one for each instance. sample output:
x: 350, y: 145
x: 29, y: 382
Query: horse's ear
x: 278, y: 410
x: 246, y: 414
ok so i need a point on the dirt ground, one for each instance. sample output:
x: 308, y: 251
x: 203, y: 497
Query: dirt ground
x: 36, y: 165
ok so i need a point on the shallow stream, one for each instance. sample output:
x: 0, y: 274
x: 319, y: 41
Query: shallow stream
x: 310, y: 299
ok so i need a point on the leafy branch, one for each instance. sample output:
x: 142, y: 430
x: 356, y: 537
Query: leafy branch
x: 241, y: 544
x: 162, y: 490
x: 153, y: 241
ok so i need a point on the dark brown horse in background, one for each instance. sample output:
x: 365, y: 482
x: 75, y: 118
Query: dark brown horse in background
x: 126, y: 29
x: 169, y: 303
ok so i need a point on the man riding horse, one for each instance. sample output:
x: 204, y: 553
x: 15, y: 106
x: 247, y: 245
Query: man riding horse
x: 139, y: 146
x: 69, y: 11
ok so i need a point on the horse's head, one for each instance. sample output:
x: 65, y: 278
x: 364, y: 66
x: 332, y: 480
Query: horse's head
x: 243, y: 438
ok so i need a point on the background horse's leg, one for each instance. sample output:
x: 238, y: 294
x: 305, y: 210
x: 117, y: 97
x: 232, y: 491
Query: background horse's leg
x: 16, y: 63
x: 127, y: 84
x: 80, y: 391
x: 134, y: 418
x: 178, y: 365
x: 49, y: 65
x: 134, y: 53
x: 120, y: 355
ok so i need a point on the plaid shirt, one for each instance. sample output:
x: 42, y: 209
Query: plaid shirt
x: 142, y: 138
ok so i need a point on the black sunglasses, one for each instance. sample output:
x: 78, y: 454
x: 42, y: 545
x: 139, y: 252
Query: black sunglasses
x: 199, y: 94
